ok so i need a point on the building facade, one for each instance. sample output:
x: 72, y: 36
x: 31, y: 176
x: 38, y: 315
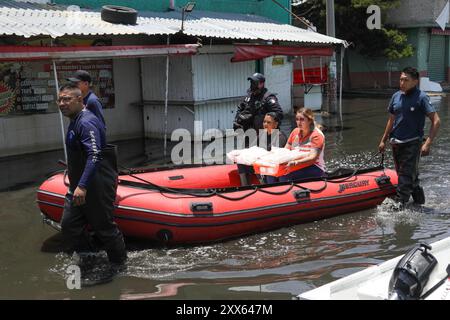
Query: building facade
x: 140, y: 100
x: 430, y: 43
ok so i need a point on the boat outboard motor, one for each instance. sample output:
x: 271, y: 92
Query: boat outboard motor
x: 411, y: 273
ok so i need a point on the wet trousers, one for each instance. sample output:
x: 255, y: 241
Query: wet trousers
x: 96, y: 214
x: 406, y: 159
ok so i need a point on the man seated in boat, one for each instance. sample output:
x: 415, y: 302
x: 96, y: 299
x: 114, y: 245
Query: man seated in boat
x: 272, y: 136
x: 307, y: 137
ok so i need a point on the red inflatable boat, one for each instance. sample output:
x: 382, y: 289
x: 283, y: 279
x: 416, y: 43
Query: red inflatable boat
x: 204, y: 204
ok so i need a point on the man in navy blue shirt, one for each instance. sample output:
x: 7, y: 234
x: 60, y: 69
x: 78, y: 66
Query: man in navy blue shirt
x: 92, y: 173
x: 407, y: 110
x: 83, y: 80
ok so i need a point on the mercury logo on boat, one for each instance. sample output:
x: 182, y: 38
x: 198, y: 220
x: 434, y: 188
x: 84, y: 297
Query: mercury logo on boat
x: 350, y: 185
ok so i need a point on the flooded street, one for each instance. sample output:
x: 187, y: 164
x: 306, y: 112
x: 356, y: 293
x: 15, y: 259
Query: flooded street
x: 274, y: 265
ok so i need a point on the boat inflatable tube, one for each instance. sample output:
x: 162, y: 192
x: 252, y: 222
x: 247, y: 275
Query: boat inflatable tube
x: 411, y: 274
x: 201, y: 204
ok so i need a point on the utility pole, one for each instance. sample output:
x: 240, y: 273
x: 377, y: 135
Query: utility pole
x: 331, y: 106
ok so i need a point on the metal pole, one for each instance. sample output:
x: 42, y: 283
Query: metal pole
x: 332, y: 83
x: 59, y: 111
x: 303, y: 70
x: 321, y: 72
x: 340, y: 85
x: 182, y: 20
x: 330, y: 18
x: 166, y: 100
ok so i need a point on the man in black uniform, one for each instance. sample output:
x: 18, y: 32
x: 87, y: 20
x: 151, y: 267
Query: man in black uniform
x: 251, y: 112
x: 258, y: 102
x: 92, y: 172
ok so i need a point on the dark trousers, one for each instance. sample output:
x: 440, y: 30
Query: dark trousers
x: 406, y: 159
x: 271, y: 179
x: 249, y: 171
x: 308, y: 172
x: 97, y: 213
x: 243, y: 168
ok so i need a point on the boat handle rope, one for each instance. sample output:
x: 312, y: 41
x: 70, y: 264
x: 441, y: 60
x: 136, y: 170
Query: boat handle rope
x: 64, y: 164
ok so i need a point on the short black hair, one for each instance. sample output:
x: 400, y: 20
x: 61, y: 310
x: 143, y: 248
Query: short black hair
x: 69, y: 86
x: 273, y: 115
x: 412, y: 72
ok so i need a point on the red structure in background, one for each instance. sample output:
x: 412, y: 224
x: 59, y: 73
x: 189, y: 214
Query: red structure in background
x: 311, y: 75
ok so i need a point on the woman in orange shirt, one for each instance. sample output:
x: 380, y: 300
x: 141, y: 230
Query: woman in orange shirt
x: 307, y: 138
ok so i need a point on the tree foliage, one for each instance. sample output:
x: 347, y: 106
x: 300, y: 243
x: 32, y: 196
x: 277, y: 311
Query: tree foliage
x: 351, y: 18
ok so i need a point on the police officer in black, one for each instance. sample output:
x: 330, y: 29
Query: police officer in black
x: 258, y: 102
x: 250, y: 115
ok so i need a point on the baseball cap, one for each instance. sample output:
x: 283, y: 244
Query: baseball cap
x: 80, y: 75
x: 257, y: 77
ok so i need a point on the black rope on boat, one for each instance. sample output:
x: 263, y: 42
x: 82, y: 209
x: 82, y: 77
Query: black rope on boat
x: 169, y: 190
x: 207, y: 194
x: 213, y: 192
x: 238, y: 198
x: 382, y: 163
x: 278, y: 192
x: 314, y: 190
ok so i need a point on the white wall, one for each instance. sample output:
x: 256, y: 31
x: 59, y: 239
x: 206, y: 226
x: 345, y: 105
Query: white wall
x: 279, y: 80
x: 180, y: 78
x: 30, y: 133
x: 217, y: 114
x: 220, y: 85
x: 178, y: 117
x: 210, y: 84
x: 125, y: 121
x: 180, y: 89
x: 215, y: 77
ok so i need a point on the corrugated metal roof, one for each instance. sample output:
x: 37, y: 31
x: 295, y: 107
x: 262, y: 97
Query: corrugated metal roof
x: 27, y: 4
x: 57, y: 22
x: 241, y: 29
x: 34, y: 19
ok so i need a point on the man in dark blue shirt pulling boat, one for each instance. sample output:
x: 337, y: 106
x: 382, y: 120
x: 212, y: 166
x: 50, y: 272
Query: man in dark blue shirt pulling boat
x: 92, y: 172
x: 407, y: 110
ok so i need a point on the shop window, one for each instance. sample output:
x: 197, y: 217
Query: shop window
x: 29, y: 87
